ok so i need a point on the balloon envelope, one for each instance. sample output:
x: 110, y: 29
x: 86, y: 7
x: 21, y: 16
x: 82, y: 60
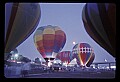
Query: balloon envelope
x: 65, y: 56
x: 100, y: 23
x: 21, y: 19
x: 49, y: 40
x: 84, y: 54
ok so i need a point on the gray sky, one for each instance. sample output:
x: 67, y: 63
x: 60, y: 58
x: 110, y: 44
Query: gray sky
x: 68, y: 16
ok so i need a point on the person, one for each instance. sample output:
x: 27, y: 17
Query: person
x: 51, y: 69
x: 25, y: 69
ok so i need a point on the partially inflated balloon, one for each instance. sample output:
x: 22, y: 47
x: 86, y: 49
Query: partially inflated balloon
x: 84, y: 54
x: 65, y: 56
x: 21, y: 19
x: 100, y: 23
x: 49, y: 40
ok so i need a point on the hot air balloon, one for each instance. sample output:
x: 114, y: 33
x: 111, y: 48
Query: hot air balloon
x: 21, y: 19
x: 49, y: 40
x: 99, y: 20
x: 84, y: 54
x: 65, y: 56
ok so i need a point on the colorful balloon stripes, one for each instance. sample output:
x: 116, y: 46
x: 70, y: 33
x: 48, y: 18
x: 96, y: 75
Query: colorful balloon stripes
x: 65, y: 56
x: 84, y: 54
x: 49, y: 40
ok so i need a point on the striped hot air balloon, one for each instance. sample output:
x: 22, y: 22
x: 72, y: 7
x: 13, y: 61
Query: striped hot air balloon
x: 65, y: 56
x: 21, y: 19
x: 99, y: 20
x: 49, y: 40
x: 84, y: 54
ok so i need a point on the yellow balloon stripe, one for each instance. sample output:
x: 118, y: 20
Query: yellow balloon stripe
x: 57, y: 28
x: 48, y: 31
x: 38, y: 38
x: 79, y: 54
x: 36, y: 45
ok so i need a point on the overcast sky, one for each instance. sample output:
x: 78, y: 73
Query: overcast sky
x: 69, y: 18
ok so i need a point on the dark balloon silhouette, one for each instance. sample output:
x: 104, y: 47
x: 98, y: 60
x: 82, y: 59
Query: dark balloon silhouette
x: 84, y: 54
x: 21, y: 19
x: 99, y: 20
x: 49, y: 40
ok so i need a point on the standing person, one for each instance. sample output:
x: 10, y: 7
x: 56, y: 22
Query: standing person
x: 51, y: 69
x: 25, y: 69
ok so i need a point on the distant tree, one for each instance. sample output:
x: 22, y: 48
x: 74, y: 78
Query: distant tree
x: 25, y: 59
x: 37, y: 60
x: 20, y: 57
x: 7, y: 56
x: 14, y: 51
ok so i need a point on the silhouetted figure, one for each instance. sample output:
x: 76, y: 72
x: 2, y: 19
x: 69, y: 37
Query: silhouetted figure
x: 25, y: 69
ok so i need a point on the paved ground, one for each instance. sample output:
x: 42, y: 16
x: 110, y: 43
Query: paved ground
x: 71, y: 74
x: 104, y: 75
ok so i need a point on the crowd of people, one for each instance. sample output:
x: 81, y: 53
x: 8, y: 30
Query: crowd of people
x: 25, y: 69
x: 18, y: 70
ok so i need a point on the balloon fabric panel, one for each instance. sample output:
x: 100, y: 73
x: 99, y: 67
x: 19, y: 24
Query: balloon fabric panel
x: 112, y: 16
x: 96, y: 21
x: 8, y: 10
x: 90, y: 60
x: 48, y: 45
x: 76, y: 55
x: 9, y: 28
x: 39, y: 43
x: 59, y: 42
x: 88, y: 51
x: 111, y: 33
x: 38, y: 38
x: 63, y: 41
x: 93, y: 33
x: 82, y: 53
x: 49, y: 31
